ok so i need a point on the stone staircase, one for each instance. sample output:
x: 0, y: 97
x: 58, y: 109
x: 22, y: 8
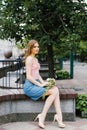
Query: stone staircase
x: 44, y: 71
x: 18, y: 107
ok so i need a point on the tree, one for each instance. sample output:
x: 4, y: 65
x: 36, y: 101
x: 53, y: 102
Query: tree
x: 47, y: 21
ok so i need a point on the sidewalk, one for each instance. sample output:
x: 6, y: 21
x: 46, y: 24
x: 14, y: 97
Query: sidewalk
x: 79, y: 81
x: 79, y: 124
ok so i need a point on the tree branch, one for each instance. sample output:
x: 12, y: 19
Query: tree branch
x: 63, y: 24
x: 45, y: 30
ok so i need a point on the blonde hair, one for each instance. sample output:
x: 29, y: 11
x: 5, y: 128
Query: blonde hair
x: 30, y: 46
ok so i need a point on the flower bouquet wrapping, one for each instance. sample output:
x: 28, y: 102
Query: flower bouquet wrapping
x: 51, y: 83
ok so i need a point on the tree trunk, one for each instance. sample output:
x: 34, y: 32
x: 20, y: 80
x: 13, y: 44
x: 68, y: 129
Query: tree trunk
x: 50, y: 61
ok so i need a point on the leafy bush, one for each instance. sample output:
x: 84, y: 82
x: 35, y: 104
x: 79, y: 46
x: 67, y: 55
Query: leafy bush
x: 62, y: 74
x: 81, y: 103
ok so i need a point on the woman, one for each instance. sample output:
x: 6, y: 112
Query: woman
x: 34, y: 86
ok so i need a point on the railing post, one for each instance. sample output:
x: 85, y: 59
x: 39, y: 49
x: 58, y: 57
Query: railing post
x: 71, y: 64
x: 61, y: 63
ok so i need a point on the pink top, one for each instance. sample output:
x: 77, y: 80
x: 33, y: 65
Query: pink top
x: 35, y: 70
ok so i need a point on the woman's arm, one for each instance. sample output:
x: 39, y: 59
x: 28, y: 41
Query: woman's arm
x: 40, y: 79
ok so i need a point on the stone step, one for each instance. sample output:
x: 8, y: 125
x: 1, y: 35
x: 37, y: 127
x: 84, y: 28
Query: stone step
x: 18, y: 106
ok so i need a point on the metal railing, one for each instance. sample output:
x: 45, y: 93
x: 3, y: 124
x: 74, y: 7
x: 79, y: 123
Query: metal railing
x: 12, y: 73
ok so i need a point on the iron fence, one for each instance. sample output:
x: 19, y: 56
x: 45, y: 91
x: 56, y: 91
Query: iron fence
x: 12, y: 73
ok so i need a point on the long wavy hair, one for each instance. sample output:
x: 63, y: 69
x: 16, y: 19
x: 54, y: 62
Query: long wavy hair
x: 30, y: 46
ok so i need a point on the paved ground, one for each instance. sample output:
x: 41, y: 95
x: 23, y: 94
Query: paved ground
x: 79, y: 82
x: 79, y: 124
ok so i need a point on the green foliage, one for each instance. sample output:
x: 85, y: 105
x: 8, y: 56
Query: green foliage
x: 62, y: 74
x: 22, y: 44
x: 45, y: 20
x: 50, y: 22
x: 83, y: 51
x: 83, y: 45
x: 81, y: 103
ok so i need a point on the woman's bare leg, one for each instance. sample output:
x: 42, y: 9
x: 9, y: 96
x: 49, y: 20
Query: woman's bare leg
x: 57, y: 106
x: 53, y: 97
x: 52, y: 93
x: 58, y: 115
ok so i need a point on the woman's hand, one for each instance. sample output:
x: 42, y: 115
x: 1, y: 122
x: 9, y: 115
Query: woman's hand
x: 44, y: 84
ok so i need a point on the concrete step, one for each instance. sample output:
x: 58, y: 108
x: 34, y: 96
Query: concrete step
x: 18, y: 106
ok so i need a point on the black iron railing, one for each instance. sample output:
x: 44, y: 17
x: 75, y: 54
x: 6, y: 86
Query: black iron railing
x: 12, y: 73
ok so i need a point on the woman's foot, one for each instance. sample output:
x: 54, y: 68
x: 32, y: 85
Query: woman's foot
x: 60, y: 123
x: 41, y: 121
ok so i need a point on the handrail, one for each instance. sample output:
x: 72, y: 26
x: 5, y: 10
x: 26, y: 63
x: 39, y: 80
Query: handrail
x: 11, y: 72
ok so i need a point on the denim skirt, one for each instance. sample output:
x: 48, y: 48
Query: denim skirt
x: 33, y: 91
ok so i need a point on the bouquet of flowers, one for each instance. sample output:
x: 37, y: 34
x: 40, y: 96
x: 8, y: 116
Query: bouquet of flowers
x: 51, y: 83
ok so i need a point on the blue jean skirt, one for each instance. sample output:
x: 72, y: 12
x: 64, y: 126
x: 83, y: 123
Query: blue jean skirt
x: 33, y: 91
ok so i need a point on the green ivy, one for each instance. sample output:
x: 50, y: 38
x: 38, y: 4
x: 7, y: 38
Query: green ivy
x: 62, y: 74
x: 81, y: 103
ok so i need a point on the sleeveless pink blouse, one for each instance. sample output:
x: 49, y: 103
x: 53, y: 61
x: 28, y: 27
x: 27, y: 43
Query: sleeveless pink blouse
x: 35, y: 70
